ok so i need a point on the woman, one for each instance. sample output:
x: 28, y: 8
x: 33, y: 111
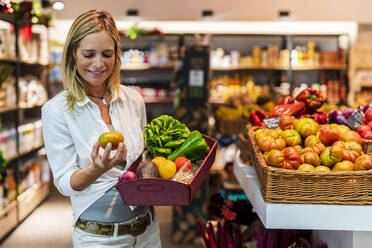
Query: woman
x: 92, y: 103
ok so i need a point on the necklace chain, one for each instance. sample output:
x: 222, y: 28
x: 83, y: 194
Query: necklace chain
x: 100, y: 97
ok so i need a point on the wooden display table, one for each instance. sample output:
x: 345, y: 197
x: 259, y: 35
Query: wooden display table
x: 340, y: 226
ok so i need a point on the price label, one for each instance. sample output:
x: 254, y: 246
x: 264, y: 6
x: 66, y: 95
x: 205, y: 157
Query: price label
x: 272, y: 123
x: 355, y: 120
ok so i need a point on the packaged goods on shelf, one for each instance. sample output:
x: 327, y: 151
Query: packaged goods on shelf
x: 8, y: 143
x: 232, y: 88
x: 30, y: 136
x: 155, y: 56
x: 10, y: 188
x: 7, y: 44
x: 270, y: 56
x: 29, y: 172
x: 31, y: 92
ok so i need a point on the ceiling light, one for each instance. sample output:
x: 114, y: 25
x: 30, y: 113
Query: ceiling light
x: 58, y: 5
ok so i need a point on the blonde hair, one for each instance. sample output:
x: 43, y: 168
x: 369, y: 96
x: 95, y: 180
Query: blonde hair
x: 92, y: 21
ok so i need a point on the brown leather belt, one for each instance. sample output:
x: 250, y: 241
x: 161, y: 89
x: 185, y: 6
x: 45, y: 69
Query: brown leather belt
x: 135, y: 228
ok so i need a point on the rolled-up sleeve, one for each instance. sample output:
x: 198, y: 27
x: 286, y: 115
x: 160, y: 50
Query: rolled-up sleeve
x: 59, y: 147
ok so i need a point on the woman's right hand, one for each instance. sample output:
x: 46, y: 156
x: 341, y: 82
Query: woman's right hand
x: 103, y: 163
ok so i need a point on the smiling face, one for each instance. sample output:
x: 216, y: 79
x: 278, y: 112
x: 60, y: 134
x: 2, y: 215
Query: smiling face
x: 95, y: 59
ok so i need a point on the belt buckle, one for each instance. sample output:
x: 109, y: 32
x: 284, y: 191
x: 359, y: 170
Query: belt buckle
x: 137, y: 230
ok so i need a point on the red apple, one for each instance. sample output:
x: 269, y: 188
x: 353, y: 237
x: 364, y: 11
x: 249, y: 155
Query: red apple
x: 370, y: 124
x: 368, y: 114
x: 365, y: 121
x: 367, y: 135
x: 362, y: 128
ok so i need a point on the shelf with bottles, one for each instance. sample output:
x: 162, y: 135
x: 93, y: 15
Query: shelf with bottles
x: 226, y: 89
x: 271, y: 57
x: 30, y: 139
x: 33, y: 169
x: 156, y: 95
x: 139, y: 60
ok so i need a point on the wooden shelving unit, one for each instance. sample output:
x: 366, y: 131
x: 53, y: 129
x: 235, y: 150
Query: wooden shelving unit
x: 31, y: 198
x: 14, y: 117
x: 8, y: 218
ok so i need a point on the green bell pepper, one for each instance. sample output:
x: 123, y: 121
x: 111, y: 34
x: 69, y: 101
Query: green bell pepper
x: 194, y: 148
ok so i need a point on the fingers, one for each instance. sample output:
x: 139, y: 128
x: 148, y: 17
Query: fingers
x: 94, y: 152
x: 106, y: 153
x: 120, y: 154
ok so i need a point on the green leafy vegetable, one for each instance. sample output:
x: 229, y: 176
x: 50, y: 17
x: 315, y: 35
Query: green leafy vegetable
x: 164, y: 135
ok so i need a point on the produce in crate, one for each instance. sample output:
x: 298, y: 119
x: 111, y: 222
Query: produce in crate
x: 126, y: 176
x: 171, y: 148
x: 147, y: 169
x: 164, y: 135
x: 306, y: 167
x: 332, y: 145
x: 312, y: 99
x: 305, y: 105
x: 306, y: 127
x: 194, y: 148
x: 364, y: 162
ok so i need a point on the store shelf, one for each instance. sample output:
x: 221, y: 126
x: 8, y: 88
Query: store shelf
x: 283, y: 68
x: 248, y: 67
x: 319, y: 67
x: 26, y: 152
x: 31, y: 198
x: 8, y: 109
x: 8, y: 218
x: 135, y: 67
x: 8, y: 60
x: 301, y: 216
x: 159, y: 99
x: 31, y: 107
x: 28, y: 63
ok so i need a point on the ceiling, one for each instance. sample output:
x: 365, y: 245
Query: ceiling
x: 252, y: 10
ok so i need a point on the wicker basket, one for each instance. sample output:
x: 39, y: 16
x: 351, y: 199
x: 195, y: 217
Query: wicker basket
x: 311, y: 187
x: 230, y: 127
x: 244, y: 149
x: 367, y: 146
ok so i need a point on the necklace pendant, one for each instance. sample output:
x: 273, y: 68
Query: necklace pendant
x: 104, y: 101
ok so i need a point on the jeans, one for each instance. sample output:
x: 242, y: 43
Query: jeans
x: 150, y: 238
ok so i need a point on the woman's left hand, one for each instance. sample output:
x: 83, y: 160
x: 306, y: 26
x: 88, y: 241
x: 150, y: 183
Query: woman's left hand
x: 104, y: 162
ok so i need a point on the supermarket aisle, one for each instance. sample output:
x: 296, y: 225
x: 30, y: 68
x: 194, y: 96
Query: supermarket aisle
x: 50, y: 226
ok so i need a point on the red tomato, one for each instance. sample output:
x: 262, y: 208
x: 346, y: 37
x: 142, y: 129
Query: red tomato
x: 367, y: 135
x: 181, y: 161
x: 286, y: 122
x: 362, y: 128
x: 368, y: 115
x: 363, y: 162
x: 329, y: 135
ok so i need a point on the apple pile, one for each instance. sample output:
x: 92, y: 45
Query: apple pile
x: 365, y: 130
x: 303, y: 144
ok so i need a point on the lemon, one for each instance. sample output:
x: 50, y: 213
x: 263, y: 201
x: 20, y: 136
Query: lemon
x: 159, y: 160
x: 167, y: 169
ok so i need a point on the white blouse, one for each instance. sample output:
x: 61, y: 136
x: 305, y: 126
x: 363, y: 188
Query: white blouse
x: 69, y: 140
